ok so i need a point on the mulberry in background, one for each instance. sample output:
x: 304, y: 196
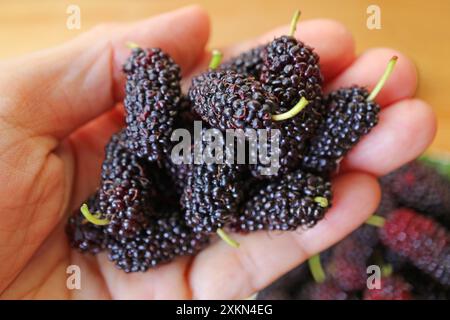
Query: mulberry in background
x: 297, y: 199
x: 349, y: 259
x: 422, y: 241
x: 152, y: 99
x: 392, y: 288
x: 420, y: 187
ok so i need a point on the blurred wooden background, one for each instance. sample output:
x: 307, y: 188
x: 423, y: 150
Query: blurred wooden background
x: 419, y: 28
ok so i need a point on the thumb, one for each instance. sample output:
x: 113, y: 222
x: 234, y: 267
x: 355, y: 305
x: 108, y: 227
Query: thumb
x: 76, y: 82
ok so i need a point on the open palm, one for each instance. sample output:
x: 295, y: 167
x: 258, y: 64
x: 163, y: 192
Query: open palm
x: 59, y: 107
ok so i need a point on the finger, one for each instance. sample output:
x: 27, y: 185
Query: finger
x: 72, y: 84
x: 165, y: 282
x: 222, y: 272
x: 330, y: 39
x: 368, y: 68
x: 405, y: 130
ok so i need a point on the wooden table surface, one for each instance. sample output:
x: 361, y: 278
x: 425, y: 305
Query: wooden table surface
x: 419, y: 28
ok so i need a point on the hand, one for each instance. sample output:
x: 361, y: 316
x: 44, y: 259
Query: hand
x: 58, y: 110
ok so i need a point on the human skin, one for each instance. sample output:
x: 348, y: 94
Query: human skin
x: 59, y: 107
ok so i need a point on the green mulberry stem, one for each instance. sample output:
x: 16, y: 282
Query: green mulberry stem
x: 315, y: 266
x: 225, y: 237
x: 323, y: 202
x: 292, y: 112
x: 387, y: 73
x: 387, y: 270
x: 216, y: 59
x: 294, y: 21
x: 376, y: 221
x: 132, y: 45
x: 93, y: 218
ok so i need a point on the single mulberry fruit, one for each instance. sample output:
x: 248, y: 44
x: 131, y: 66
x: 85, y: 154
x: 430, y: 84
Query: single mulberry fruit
x: 392, y: 288
x: 349, y: 117
x: 420, y: 187
x: 349, y: 259
x: 83, y: 235
x: 291, y: 71
x: 163, y: 239
x: 211, y: 196
x: 350, y: 114
x: 126, y: 190
x: 422, y: 241
x: 297, y: 199
x: 228, y: 100
x: 152, y: 99
x: 248, y: 63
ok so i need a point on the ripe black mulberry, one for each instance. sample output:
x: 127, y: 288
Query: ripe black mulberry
x: 297, y: 199
x: 153, y: 94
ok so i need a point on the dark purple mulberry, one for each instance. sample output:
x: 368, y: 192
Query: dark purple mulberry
x: 163, y: 239
x: 228, y: 100
x: 152, y: 99
x: 211, y: 196
x: 291, y: 71
x: 297, y: 199
x: 349, y: 116
x: 126, y: 189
